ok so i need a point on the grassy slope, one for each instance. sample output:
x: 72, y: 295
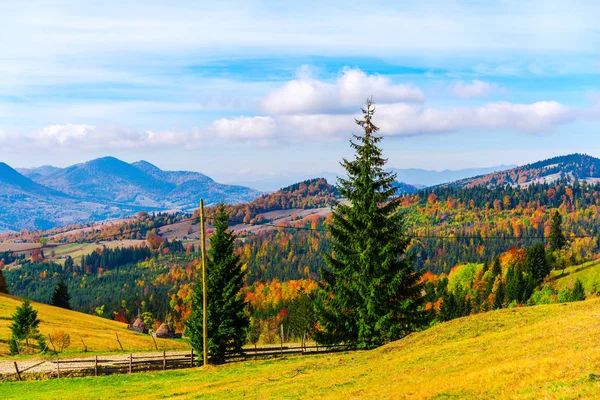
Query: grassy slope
x: 98, y: 333
x: 588, y: 273
x: 546, y: 351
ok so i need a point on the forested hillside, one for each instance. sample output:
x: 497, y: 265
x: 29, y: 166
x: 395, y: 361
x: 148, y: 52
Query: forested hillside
x: 453, y: 232
x: 573, y: 167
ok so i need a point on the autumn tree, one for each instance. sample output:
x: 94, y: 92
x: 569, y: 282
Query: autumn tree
x: 61, y: 297
x: 370, y: 294
x: 227, y: 320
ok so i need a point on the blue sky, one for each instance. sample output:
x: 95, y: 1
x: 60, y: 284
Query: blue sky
x: 244, y: 91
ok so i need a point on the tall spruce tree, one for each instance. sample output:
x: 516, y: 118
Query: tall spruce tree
x: 3, y: 285
x: 498, y: 293
x: 227, y: 320
x: 557, y: 237
x: 370, y: 293
x: 536, y: 262
x: 61, y: 297
x: 496, y: 268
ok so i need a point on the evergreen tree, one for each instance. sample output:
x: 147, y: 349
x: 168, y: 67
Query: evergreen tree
x: 498, y: 293
x: 557, y: 237
x: 3, y: 285
x: 578, y: 293
x: 511, y: 292
x: 448, y: 308
x: 68, y: 263
x: 301, y: 315
x: 61, y: 297
x: 24, y: 326
x: 486, y: 266
x: 536, y: 262
x: 496, y: 268
x: 227, y: 320
x: 528, y: 287
x: 370, y: 294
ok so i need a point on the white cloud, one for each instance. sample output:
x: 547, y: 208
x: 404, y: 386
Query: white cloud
x: 244, y: 128
x: 539, y: 117
x: 476, y: 88
x: 89, y: 137
x: 399, y: 119
x: 394, y: 119
x: 305, y: 94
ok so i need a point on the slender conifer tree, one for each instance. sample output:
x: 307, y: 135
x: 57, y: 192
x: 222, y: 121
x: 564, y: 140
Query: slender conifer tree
x: 227, y: 319
x: 370, y: 293
x: 61, y: 297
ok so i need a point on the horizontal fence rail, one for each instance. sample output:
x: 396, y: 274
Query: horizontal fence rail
x: 132, y: 363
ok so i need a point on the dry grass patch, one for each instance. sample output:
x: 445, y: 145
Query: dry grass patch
x: 536, y: 352
x: 97, y: 333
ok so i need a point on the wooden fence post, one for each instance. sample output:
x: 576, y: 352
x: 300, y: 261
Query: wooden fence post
x: 164, y: 360
x: 58, y: 367
x: 96, y: 366
x: 85, y: 349
x: 17, y: 369
x: 130, y: 363
x: 117, y: 335
x: 281, y: 339
x: 192, y: 358
x: 302, y: 344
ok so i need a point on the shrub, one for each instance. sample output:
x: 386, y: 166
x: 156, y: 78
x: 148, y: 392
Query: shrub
x: 60, y: 340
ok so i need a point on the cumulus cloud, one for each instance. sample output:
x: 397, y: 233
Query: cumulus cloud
x: 539, y: 117
x: 305, y: 94
x: 400, y: 119
x: 475, y: 88
x: 89, y: 137
x: 244, y: 128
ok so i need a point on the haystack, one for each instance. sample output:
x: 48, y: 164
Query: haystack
x: 165, y: 331
x: 138, y: 326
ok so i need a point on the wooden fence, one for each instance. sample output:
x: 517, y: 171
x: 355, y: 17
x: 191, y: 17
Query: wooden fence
x: 140, y: 362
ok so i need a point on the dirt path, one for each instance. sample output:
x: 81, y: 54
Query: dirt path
x: 50, y: 366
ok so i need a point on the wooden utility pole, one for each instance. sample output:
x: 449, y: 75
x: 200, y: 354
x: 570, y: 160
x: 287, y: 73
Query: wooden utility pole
x: 204, y: 290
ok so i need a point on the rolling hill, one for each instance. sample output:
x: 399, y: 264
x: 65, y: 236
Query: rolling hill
x: 27, y: 204
x: 573, y: 167
x: 97, y: 333
x: 425, y: 178
x: 142, y: 184
x: 481, y: 356
x: 101, y: 189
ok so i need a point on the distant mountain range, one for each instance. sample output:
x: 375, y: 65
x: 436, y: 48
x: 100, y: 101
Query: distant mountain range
x: 107, y: 187
x: 425, y: 178
x: 570, y: 168
x: 411, y: 177
x: 45, y: 197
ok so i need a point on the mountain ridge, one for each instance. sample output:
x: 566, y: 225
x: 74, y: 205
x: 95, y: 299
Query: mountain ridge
x: 103, y: 188
x: 571, y: 167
